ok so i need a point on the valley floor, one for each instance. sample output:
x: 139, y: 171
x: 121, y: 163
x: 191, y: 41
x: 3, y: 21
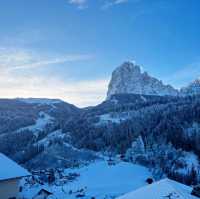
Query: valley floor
x: 100, y: 179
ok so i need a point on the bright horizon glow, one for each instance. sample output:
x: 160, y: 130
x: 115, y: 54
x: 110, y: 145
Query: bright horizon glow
x: 69, y: 49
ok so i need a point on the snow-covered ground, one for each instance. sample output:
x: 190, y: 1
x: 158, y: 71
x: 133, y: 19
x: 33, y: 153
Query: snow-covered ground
x: 106, y: 118
x: 50, y: 137
x: 162, y: 189
x: 10, y: 170
x: 40, y: 123
x: 99, y: 180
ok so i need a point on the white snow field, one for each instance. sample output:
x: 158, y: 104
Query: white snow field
x: 165, y: 188
x: 106, y: 118
x: 40, y: 123
x: 98, y: 180
x: 9, y: 169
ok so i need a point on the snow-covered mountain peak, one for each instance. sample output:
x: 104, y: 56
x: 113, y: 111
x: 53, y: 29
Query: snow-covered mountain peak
x: 130, y: 78
x: 129, y: 66
x: 192, y: 89
x: 196, y: 82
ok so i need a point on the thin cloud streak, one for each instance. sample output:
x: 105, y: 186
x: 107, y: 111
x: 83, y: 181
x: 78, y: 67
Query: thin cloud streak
x: 107, y: 4
x: 80, y: 4
x: 16, y: 82
x: 40, y: 63
x: 188, y: 73
x: 15, y: 59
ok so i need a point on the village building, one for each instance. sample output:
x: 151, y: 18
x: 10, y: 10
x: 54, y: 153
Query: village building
x: 10, y: 176
x: 163, y: 189
x: 43, y: 194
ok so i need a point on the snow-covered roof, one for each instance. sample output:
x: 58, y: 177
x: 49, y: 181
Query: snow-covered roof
x: 163, y: 189
x: 9, y: 169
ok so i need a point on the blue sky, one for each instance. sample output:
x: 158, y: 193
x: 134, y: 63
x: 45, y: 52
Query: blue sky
x: 68, y: 48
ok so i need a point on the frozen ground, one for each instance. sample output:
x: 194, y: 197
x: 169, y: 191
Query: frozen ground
x: 40, y: 123
x: 162, y: 189
x: 10, y: 170
x: 99, y: 180
x: 106, y: 118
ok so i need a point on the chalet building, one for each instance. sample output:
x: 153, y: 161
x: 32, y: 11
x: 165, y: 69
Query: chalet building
x: 43, y: 194
x: 163, y: 189
x: 10, y: 175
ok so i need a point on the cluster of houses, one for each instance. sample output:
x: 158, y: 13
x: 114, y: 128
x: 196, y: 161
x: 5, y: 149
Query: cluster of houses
x: 11, y: 174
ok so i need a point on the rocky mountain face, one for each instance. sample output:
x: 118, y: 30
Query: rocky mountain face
x: 192, y: 89
x: 128, y: 78
x: 139, y: 107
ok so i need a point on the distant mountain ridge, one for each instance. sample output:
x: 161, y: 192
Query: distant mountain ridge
x: 49, y: 133
x: 192, y: 89
x: 129, y: 79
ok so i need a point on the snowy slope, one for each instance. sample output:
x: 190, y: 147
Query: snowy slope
x: 99, y: 180
x: 40, y: 123
x: 50, y: 137
x: 162, y: 189
x: 9, y: 169
x: 108, y: 118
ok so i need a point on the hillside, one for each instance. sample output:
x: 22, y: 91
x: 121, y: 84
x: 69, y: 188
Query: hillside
x: 161, y: 132
x: 99, y: 180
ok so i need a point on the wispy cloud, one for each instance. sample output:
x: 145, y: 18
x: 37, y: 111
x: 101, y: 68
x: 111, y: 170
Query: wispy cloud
x: 59, y: 60
x: 185, y: 75
x: 120, y: 1
x: 18, y: 79
x: 15, y: 59
x: 108, y: 3
x: 80, y: 4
